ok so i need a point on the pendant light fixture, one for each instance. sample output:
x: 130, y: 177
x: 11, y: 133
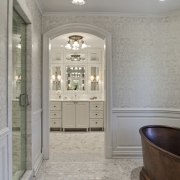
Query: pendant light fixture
x: 76, y: 42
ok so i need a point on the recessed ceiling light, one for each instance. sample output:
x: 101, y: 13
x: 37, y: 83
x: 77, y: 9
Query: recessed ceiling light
x: 161, y: 0
x: 78, y: 2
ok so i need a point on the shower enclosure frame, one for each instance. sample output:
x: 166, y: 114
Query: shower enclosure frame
x: 25, y: 14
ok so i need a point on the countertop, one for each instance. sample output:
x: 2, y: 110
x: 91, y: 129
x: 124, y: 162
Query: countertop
x: 69, y: 100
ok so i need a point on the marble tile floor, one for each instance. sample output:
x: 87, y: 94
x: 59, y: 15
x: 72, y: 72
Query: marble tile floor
x: 80, y: 156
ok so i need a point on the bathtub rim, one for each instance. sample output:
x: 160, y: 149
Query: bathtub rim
x: 170, y: 154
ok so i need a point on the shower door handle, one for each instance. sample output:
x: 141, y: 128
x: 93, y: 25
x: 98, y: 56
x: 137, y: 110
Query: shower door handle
x: 24, y: 100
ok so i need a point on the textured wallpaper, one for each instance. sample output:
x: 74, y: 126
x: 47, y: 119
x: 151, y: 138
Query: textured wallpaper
x: 3, y: 64
x: 36, y: 64
x: 146, y: 57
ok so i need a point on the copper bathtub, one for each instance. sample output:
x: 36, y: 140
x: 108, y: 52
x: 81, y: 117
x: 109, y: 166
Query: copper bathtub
x: 161, y: 153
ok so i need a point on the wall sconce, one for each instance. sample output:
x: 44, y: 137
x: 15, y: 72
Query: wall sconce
x: 94, y: 78
x: 59, y: 77
x: 18, y: 78
x: 56, y: 77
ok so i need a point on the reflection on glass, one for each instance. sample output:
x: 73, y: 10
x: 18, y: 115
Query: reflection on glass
x: 94, y: 78
x: 56, y: 78
x: 18, y: 102
x: 75, y: 78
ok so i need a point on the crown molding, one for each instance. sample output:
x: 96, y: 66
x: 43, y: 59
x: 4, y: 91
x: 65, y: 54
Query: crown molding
x: 40, y: 7
x: 111, y: 14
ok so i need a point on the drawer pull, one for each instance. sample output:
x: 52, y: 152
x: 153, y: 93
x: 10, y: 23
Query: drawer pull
x: 54, y: 106
x: 96, y: 122
x: 54, y: 114
x: 96, y: 114
x: 96, y: 106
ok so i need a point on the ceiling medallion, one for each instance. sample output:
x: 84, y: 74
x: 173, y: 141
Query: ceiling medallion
x: 76, y: 42
x: 78, y: 2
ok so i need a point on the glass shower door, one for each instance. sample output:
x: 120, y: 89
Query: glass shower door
x: 20, y: 98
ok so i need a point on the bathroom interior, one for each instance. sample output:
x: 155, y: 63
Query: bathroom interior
x: 145, y: 90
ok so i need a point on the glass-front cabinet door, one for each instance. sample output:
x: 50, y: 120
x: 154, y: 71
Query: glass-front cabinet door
x: 55, y: 78
x: 75, y: 78
x: 95, y: 78
x: 20, y: 98
x: 94, y: 56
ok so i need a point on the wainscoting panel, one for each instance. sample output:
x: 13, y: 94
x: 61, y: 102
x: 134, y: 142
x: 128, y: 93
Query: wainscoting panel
x: 4, y: 154
x: 127, y: 122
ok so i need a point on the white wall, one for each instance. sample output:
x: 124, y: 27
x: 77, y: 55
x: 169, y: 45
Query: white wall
x: 145, y: 58
x: 146, y: 76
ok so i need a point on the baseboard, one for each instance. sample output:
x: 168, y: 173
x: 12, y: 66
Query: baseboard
x: 37, y: 165
x: 108, y: 152
x: 127, y: 152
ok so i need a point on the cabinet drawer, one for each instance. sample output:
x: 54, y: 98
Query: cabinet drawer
x: 96, y: 105
x: 55, y: 123
x: 55, y: 114
x: 55, y: 105
x: 96, y: 114
x: 96, y: 123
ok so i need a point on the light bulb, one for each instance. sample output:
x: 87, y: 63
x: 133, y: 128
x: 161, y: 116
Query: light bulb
x: 53, y: 77
x: 68, y: 46
x: 19, y: 46
x: 84, y: 46
x: 92, y: 78
x: 16, y: 78
x: 59, y: 77
x: 97, y: 78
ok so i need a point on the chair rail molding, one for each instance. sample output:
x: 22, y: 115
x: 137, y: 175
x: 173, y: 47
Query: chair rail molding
x: 127, y: 122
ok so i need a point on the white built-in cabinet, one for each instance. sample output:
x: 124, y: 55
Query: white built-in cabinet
x: 76, y: 82
x: 80, y: 72
x: 76, y: 114
x: 55, y: 114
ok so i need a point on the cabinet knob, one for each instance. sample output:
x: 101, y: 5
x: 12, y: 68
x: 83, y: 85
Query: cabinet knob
x: 54, y: 114
x: 96, y: 114
x: 54, y: 122
x: 96, y: 106
x: 54, y: 106
x: 96, y: 122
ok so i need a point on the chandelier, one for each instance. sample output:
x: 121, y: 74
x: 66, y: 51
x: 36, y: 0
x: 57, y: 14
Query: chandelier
x: 76, y: 42
x: 78, y: 2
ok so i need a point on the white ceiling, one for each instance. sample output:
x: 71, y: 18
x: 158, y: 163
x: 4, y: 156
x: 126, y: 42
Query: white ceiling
x: 89, y: 39
x: 140, y: 7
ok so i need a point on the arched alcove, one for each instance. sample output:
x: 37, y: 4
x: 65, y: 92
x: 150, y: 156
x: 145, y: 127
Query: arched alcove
x: 86, y: 28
